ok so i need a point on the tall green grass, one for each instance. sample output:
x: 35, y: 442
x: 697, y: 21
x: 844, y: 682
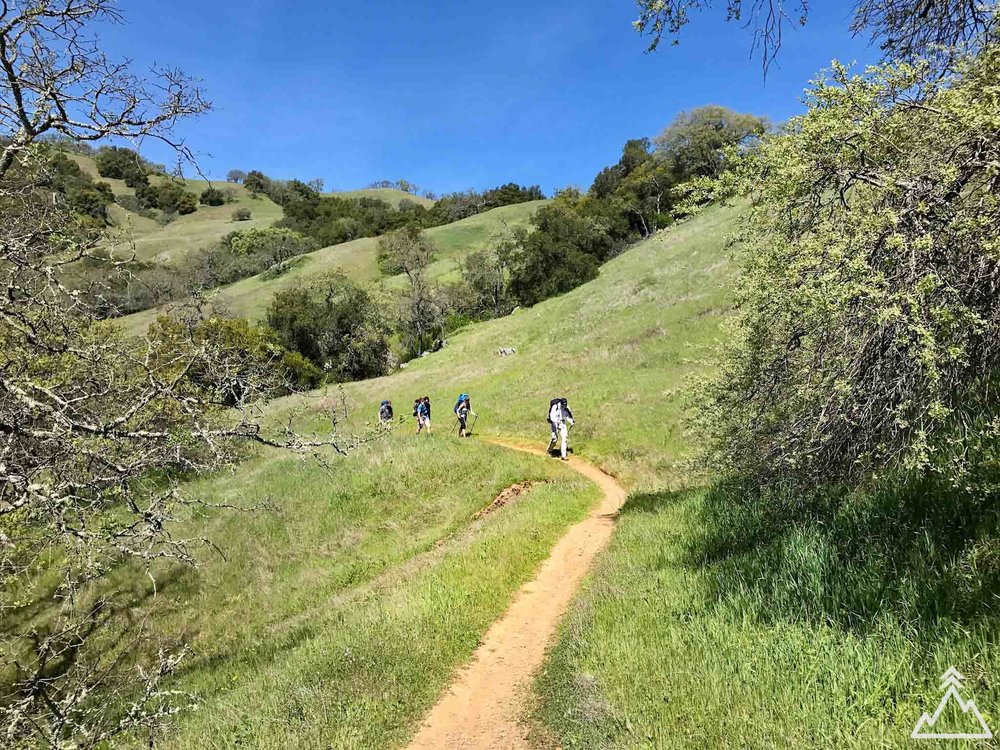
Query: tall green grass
x: 339, y: 614
x: 337, y: 620
x: 718, y: 620
x: 714, y: 620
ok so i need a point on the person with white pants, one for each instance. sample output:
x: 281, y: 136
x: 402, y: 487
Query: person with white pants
x: 560, y: 419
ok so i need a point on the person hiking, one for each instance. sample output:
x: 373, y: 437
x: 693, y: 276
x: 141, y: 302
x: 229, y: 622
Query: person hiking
x: 423, y: 412
x: 385, y: 413
x: 560, y: 419
x: 463, y: 407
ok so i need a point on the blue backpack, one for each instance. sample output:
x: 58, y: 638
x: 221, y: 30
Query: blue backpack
x: 461, y: 397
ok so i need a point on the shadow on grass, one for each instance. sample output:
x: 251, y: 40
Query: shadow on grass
x: 47, y: 637
x: 918, y: 552
x: 653, y: 502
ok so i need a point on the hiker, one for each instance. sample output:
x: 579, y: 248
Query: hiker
x: 463, y: 407
x: 423, y: 411
x: 417, y: 405
x: 385, y: 413
x: 560, y: 419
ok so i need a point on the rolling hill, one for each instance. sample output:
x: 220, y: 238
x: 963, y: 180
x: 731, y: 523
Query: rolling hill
x: 391, y: 196
x: 339, y: 618
x: 152, y: 241
x: 357, y: 259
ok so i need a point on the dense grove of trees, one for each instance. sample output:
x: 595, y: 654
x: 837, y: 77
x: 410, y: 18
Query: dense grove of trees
x: 84, y: 196
x: 212, y: 197
x: 568, y: 239
x: 332, y: 219
x: 565, y: 245
x: 631, y: 199
x: 336, y: 325
x: 120, y: 163
x: 567, y: 242
x: 168, y: 195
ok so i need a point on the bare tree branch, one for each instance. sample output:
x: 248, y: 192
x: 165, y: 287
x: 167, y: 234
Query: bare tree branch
x: 54, y: 78
x: 904, y: 29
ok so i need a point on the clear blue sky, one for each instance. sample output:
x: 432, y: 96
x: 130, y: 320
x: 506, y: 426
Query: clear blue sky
x: 454, y: 94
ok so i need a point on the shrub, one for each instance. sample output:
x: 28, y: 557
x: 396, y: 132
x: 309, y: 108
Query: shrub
x: 88, y: 201
x: 131, y: 203
x: 187, y: 204
x: 136, y: 206
x: 147, y: 196
x: 119, y: 163
x: 273, y: 243
x: 242, y: 214
x: 172, y: 197
x: 336, y: 325
x: 212, y: 197
x: 137, y: 179
x: 868, y: 340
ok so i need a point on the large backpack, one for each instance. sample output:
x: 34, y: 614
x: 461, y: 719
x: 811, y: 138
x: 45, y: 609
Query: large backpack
x: 548, y: 414
x: 461, y: 397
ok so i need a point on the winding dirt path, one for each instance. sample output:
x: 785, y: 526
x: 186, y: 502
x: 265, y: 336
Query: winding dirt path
x: 484, y: 707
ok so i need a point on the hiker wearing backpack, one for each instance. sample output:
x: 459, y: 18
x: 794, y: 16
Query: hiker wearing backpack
x: 385, y: 413
x: 463, y: 407
x: 560, y: 419
x: 422, y: 409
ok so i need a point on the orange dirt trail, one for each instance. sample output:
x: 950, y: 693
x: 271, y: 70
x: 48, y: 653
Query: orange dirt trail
x: 484, y: 707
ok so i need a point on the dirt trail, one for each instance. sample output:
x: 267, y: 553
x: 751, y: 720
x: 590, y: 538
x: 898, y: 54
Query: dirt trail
x: 483, y: 709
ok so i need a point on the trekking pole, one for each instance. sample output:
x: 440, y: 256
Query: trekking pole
x: 474, y: 418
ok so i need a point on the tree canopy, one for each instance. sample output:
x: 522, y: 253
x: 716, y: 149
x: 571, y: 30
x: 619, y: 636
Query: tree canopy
x: 867, y: 338
x: 695, y: 143
x: 904, y: 29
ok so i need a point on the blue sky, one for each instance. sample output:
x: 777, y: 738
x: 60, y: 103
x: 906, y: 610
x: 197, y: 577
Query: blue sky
x: 454, y: 94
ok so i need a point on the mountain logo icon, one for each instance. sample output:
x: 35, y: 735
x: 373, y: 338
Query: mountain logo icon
x: 960, y: 719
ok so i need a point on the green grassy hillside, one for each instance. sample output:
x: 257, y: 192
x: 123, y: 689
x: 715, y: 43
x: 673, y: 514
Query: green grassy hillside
x: 152, y: 241
x: 389, y: 195
x: 250, y: 297
x: 339, y: 617
x: 707, y: 623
